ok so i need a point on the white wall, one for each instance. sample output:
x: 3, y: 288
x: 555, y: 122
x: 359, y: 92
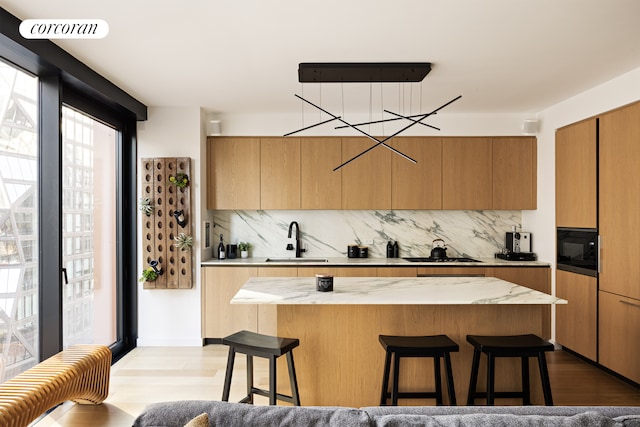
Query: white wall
x: 172, y: 317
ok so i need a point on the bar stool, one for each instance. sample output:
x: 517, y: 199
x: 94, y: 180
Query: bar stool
x: 269, y: 347
x: 435, y: 346
x: 522, y: 346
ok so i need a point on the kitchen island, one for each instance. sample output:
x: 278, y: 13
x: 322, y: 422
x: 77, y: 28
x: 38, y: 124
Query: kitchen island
x: 340, y: 361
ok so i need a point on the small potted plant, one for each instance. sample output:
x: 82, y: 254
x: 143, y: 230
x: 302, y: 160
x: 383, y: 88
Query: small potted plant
x: 180, y: 179
x: 183, y: 242
x: 244, y: 249
x: 148, y: 275
x: 146, y: 206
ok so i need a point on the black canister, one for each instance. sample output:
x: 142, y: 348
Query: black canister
x: 352, y: 251
x: 232, y: 251
x: 324, y: 282
x: 363, y: 251
x: 389, y: 249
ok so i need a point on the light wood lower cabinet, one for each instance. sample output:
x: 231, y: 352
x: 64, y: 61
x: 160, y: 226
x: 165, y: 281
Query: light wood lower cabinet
x: 619, y: 339
x: 577, y: 322
x: 338, y: 271
x: 220, y: 284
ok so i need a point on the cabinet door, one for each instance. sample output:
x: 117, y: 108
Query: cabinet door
x: 619, y: 336
x: 467, y: 173
x: 338, y: 271
x: 233, y: 173
x: 514, y: 173
x: 366, y: 181
x: 619, y: 204
x: 419, y: 185
x: 219, y: 317
x: 397, y: 272
x: 280, y: 173
x: 577, y: 322
x: 576, y: 175
x: 451, y: 271
x: 320, y: 186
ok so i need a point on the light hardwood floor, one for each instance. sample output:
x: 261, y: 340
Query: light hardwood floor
x: 155, y: 374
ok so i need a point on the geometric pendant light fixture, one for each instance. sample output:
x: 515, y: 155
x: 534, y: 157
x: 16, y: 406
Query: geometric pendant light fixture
x: 367, y: 72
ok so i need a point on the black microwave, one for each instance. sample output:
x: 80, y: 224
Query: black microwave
x: 578, y: 250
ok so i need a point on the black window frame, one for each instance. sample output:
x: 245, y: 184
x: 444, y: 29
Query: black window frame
x: 65, y: 80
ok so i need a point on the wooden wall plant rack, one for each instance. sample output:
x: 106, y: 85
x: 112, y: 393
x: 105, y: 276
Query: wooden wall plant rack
x: 161, y: 226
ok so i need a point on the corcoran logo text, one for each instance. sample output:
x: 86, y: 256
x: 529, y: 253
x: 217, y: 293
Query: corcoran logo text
x: 64, y: 28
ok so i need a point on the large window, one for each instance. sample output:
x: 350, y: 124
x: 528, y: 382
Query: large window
x: 18, y: 221
x: 88, y: 230
x: 67, y: 204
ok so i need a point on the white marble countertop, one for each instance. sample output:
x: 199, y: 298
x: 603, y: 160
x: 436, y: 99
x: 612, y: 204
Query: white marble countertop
x: 365, y: 262
x: 390, y: 291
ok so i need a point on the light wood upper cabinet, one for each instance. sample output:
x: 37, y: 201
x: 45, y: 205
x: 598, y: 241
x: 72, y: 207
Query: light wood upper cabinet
x: 366, y: 181
x: 297, y: 173
x: 467, y: 173
x: 233, y: 173
x: 321, y: 187
x: 280, y: 173
x: 619, y: 204
x: 577, y: 322
x: 416, y: 186
x: 514, y: 173
x: 576, y: 175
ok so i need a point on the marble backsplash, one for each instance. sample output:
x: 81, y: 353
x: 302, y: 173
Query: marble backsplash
x: 328, y: 233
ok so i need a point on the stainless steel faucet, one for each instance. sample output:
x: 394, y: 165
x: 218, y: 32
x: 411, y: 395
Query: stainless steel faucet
x: 290, y: 247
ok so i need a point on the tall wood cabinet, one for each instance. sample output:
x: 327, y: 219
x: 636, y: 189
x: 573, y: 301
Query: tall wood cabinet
x: 576, y: 175
x: 596, y: 177
x: 619, y: 222
x: 619, y: 207
x: 577, y: 322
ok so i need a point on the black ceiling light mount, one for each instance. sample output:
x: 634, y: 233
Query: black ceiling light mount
x: 367, y: 72
x: 362, y: 72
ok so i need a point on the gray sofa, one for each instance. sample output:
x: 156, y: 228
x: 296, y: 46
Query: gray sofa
x: 179, y: 413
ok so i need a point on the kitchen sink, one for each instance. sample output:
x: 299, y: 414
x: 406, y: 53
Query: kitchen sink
x: 297, y: 260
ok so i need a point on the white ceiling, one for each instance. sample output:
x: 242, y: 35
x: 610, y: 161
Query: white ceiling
x: 502, y: 56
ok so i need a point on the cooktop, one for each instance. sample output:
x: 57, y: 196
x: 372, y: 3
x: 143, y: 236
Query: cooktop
x: 429, y: 259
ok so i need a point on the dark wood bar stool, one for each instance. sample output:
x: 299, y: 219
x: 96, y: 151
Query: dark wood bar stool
x: 522, y: 346
x: 436, y: 346
x: 266, y: 346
